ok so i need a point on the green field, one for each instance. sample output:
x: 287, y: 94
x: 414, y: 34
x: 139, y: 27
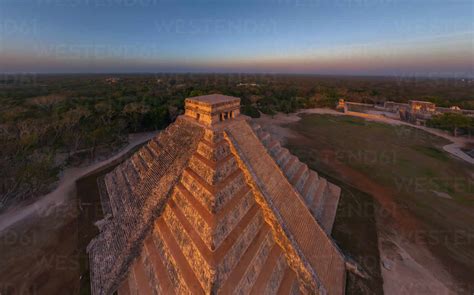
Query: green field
x: 433, y: 191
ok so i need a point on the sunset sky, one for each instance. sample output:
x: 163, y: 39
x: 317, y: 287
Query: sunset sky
x: 350, y: 37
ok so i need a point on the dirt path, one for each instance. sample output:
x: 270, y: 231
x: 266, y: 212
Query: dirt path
x: 46, y: 204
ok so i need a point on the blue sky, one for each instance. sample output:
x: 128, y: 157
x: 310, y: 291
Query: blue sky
x: 385, y: 37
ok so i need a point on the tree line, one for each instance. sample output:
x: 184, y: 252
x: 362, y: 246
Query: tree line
x: 53, y: 121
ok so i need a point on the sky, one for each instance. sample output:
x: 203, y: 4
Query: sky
x: 338, y: 37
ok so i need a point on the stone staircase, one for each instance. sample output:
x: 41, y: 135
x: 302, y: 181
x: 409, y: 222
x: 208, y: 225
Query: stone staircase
x: 287, y: 211
x: 320, y: 196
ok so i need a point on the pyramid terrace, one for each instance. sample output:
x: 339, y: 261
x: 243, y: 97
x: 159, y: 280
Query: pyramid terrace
x: 214, y: 205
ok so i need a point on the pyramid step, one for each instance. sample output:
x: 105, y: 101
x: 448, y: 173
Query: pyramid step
x: 299, y: 177
x: 318, y: 199
x: 115, y: 200
x: 213, y: 197
x: 146, y: 155
x: 293, y: 170
x: 124, y: 288
x: 132, y: 284
x: 122, y: 182
x: 178, y: 260
x: 131, y: 174
x: 256, y: 127
x: 295, y: 288
x: 286, y: 283
x: 154, y: 146
x: 308, y: 182
x: 300, y: 184
x: 141, y: 278
x: 232, y: 218
x: 272, y: 145
x: 280, y: 155
x: 288, y: 163
x: 187, y: 238
x: 328, y: 213
x: 243, y: 264
x: 198, y: 208
x: 213, y: 172
x: 159, y: 270
x: 275, y: 151
x: 213, y: 152
x: 225, y: 239
x: 276, y: 276
x: 254, y: 268
x: 284, y: 158
x: 265, y: 138
x: 310, y: 187
x: 139, y: 164
x: 266, y: 271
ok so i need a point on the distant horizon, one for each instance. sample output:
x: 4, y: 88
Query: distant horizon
x: 369, y: 38
x: 411, y: 75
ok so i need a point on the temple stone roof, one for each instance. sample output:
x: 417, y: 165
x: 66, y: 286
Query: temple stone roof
x: 213, y: 99
x: 216, y: 208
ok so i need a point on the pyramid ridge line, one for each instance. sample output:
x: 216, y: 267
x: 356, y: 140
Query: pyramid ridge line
x: 213, y: 219
x: 211, y: 163
x: 215, y: 256
x: 213, y: 188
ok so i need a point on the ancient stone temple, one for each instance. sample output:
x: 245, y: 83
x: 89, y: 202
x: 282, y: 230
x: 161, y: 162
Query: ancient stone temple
x: 213, y: 205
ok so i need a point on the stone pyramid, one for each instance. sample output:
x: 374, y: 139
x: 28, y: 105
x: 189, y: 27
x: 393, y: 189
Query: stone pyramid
x: 213, y: 205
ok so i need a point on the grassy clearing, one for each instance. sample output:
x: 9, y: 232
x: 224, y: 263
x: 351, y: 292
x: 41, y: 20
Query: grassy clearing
x: 402, y: 158
x: 409, y: 163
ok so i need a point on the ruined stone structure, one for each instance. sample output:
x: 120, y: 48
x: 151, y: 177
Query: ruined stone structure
x: 419, y: 106
x: 341, y: 105
x: 213, y: 205
x: 418, y: 112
